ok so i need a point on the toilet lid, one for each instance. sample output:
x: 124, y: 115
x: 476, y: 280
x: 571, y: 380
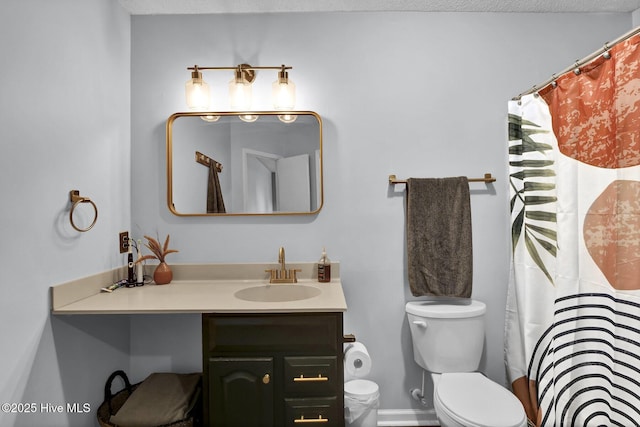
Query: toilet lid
x: 436, y: 309
x: 475, y: 401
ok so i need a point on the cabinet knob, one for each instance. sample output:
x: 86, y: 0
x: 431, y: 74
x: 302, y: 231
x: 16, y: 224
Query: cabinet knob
x: 266, y: 379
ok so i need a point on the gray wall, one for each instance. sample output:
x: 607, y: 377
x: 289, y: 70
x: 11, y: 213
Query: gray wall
x: 415, y: 94
x: 64, y: 124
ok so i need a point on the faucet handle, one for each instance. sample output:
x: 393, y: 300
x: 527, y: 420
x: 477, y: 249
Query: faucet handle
x: 272, y: 274
x: 291, y: 274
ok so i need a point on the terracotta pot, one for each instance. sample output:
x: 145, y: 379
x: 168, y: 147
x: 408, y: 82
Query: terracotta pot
x: 162, y: 274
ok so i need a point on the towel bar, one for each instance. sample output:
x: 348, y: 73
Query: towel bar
x: 487, y: 178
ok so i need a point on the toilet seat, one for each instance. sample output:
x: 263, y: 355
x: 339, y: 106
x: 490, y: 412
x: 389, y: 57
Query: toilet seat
x: 473, y: 400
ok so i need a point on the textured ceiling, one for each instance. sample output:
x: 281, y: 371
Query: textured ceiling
x: 153, y: 7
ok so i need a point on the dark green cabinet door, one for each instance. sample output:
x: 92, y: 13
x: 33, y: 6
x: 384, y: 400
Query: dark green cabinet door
x: 241, y: 392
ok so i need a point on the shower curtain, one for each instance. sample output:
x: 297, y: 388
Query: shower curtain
x: 572, y: 337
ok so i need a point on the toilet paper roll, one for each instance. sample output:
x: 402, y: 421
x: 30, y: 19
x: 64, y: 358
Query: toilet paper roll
x: 357, y: 362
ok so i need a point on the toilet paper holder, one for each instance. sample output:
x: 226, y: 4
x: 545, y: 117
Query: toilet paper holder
x: 348, y: 338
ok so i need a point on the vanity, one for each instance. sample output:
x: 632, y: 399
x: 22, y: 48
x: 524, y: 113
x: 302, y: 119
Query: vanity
x: 273, y: 369
x: 272, y: 348
x: 272, y: 354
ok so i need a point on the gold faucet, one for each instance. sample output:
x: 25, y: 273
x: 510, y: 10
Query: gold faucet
x: 282, y: 275
x: 281, y: 259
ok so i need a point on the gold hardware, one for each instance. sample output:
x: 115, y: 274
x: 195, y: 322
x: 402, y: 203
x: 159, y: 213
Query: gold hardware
x: 348, y: 338
x: 247, y: 71
x: 283, y: 76
x: 76, y: 199
x: 207, y: 161
x: 173, y: 146
x: 197, y: 90
x: 302, y: 419
x: 283, y: 275
x: 266, y: 379
x: 302, y: 378
x: 487, y: 178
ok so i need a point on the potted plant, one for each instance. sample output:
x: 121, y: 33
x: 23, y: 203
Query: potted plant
x: 162, y: 274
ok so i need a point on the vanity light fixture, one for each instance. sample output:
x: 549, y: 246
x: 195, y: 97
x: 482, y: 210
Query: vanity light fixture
x: 240, y: 91
x: 283, y: 93
x: 197, y: 91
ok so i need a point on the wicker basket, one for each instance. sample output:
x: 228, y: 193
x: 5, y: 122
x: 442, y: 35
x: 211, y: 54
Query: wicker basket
x: 113, y: 402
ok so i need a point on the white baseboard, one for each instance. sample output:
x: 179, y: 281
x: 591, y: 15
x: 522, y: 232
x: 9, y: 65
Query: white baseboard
x: 406, y: 417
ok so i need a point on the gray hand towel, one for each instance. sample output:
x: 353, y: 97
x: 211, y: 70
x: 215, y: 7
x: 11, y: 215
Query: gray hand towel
x: 215, y: 202
x: 440, y: 255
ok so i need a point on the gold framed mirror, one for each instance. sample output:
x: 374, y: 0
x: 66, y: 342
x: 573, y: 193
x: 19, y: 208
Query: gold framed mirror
x: 244, y: 163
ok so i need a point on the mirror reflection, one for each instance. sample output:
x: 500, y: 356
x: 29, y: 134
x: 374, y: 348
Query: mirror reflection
x: 263, y: 163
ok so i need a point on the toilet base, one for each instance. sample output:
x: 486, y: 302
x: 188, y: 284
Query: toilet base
x: 462, y: 392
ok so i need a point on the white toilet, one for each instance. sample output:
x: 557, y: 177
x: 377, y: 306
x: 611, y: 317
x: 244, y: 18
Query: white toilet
x: 448, y: 338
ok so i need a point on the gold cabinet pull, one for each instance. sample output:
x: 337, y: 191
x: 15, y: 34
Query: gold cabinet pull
x: 302, y: 378
x: 266, y: 379
x: 302, y: 419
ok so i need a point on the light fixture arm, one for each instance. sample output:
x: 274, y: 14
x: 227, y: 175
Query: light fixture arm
x: 283, y: 76
x: 245, y: 74
x: 196, y: 74
x: 248, y: 72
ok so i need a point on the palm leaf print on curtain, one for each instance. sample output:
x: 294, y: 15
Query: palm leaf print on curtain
x: 572, y: 336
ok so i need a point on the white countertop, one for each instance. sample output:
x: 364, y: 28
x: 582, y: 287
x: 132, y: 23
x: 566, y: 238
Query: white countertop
x: 191, y: 292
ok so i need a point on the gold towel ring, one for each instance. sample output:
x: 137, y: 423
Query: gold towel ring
x: 76, y: 199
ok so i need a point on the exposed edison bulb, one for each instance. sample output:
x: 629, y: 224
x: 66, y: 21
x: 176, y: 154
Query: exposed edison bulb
x: 287, y: 118
x: 283, y: 93
x: 211, y: 118
x: 249, y: 118
x: 197, y: 92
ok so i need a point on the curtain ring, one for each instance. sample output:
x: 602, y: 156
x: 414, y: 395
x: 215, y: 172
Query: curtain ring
x: 76, y: 199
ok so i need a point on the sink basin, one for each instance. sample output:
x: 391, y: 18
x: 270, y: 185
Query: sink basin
x: 278, y: 293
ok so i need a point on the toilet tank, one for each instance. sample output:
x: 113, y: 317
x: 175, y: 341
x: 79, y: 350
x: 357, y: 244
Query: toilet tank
x: 447, y: 336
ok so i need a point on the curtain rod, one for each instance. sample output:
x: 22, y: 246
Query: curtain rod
x: 579, y: 63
